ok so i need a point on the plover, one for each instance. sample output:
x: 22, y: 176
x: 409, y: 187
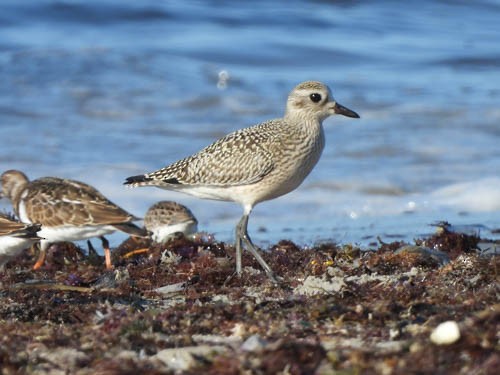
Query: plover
x: 15, y: 237
x: 68, y: 210
x: 163, y: 219
x: 258, y: 163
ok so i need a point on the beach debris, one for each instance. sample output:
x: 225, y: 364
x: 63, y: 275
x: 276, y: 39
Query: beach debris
x: 446, y: 333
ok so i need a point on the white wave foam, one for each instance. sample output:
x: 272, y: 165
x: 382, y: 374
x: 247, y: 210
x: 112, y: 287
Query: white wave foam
x: 479, y: 195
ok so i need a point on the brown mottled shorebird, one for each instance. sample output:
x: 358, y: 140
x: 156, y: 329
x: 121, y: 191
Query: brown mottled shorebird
x: 258, y: 163
x: 68, y: 210
x: 15, y: 237
x: 163, y: 219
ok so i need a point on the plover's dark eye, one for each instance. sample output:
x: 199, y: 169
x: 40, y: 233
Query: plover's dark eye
x: 315, y: 97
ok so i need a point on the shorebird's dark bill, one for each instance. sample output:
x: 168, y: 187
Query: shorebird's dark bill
x: 341, y: 110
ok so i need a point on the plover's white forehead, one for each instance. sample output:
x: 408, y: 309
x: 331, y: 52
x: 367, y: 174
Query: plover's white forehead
x: 310, y: 87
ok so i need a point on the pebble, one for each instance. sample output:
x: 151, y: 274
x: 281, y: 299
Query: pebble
x: 182, y: 359
x: 254, y: 343
x: 446, y: 333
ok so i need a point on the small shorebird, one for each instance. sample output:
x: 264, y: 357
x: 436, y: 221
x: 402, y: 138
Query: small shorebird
x: 68, y: 210
x: 163, y: 219
x: 258, y: 163
x: 15, y: 237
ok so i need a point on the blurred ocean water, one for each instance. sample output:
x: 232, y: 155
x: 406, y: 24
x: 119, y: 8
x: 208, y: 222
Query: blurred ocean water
x: 101, y: 90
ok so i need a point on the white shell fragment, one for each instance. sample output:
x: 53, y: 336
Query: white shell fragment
x: 446, y: 333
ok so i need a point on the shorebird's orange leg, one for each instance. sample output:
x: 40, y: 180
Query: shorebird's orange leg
x: 135, y: 252
x: 41, y: 259
x: 107, y: 253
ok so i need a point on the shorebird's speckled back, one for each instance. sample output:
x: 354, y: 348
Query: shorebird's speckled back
x: 55, y: 202
x: 166, y: 218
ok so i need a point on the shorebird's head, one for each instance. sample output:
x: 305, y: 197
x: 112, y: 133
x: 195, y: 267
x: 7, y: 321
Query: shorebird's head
x: 13, y: 182
x: 312, y: 100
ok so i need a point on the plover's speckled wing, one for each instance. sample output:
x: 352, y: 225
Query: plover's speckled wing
x: 56, y: 202
x: 240, y: 158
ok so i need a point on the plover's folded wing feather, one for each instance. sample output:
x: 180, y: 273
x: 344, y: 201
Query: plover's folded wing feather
x: 239, y: 158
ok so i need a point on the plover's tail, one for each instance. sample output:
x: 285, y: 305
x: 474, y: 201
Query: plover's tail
x: 146, y: 180
x: 139, y: 180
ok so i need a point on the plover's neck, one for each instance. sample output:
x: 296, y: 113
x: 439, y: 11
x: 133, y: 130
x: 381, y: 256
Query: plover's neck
x: 303, y: 120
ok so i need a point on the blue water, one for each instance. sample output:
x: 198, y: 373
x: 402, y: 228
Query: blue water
x: 101, y: 90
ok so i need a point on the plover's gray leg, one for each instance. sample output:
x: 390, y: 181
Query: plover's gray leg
x: 238, y: 250
x: 238, y: 247
x: 243, y: 237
